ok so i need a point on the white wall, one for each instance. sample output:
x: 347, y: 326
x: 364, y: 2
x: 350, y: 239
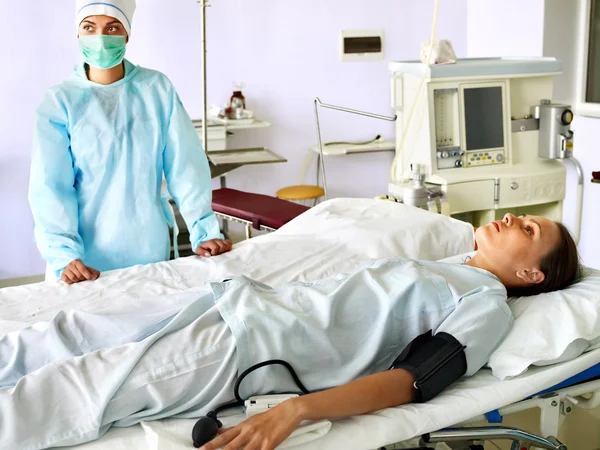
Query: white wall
x: 286, y: 52
x: 560, y: 33
x: 32, y: 61
x: 505, y: 28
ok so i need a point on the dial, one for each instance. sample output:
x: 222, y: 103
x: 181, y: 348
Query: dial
x: 566, y: 117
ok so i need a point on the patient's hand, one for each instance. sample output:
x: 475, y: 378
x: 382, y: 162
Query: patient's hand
x: 267, y: 430
x: 76, y: 272
x: 214, y: 247
x: 263, y: 431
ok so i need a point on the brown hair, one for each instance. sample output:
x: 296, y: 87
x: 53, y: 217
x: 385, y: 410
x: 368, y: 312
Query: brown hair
x: 560, y: 267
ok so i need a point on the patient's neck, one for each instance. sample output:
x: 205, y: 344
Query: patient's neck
x: 479, y: 261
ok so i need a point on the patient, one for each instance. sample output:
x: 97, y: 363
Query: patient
x: 68, y: 381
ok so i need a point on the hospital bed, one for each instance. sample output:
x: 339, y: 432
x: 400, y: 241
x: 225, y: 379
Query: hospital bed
x: 336, y: 236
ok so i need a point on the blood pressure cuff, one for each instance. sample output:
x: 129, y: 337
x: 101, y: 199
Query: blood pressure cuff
x: 435, y: 361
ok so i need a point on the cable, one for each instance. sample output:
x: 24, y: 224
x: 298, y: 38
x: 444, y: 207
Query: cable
x: 412, y: 109
x: 245, y: 373
x: 354, y: 143
x: 213, y: 414
x: 236, y: 389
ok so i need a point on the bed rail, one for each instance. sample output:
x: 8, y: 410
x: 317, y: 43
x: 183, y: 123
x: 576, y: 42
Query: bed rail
x: 520, y: 439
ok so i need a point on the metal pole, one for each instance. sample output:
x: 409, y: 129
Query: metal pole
x: 355, y: 111
x: 321, y: 158
x: 203, y: 6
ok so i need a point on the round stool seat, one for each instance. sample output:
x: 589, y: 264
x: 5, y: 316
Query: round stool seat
x: 301, y: 192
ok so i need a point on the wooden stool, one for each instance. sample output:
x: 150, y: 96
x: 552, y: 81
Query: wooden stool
x: 301, y: 192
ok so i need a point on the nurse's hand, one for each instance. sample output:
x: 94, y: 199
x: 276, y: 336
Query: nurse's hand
x: 263, y: 431
x: 76, y: 272
x: 214, y: 247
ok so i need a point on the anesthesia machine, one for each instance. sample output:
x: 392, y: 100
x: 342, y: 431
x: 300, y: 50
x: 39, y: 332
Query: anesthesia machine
x: 480, y: 138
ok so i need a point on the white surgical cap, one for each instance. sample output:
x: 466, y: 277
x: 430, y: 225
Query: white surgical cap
x: 121, y: 10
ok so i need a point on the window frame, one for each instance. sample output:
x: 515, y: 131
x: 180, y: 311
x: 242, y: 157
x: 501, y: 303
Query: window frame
x: 582, y: 106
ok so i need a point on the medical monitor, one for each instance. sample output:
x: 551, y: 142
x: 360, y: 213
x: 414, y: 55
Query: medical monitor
x: 484, y: 124
x: 470, y: 125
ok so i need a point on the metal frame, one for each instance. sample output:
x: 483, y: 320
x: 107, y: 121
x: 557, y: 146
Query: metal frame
x: 318, y: 103
x: 249, y: 225
x: 554, y: 406
x: 520, y: 439
x: 582, y: 106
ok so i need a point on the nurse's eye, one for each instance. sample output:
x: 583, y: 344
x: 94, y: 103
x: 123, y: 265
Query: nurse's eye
x: 88, y: 28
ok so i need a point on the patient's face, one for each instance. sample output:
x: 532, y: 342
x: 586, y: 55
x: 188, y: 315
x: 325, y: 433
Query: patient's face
x: 517, y: 243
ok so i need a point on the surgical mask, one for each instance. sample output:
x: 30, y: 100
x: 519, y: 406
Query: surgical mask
x: 102, y: 51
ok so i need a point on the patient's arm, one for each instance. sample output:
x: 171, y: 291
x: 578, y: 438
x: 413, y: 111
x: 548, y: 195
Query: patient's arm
x: 368, y: 394
x: 267, y: 430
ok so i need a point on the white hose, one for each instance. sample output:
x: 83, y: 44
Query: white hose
x: 412, y: 109
x: 306, y: 167
x: 579, y: 204
x: 578, y: 214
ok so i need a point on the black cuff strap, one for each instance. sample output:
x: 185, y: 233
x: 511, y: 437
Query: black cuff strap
x: 435, y: 361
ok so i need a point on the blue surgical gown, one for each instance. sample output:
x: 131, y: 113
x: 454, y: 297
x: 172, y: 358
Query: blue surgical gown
x: 98, y: 161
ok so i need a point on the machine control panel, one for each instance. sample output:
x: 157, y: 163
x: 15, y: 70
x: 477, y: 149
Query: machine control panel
x: 449, y: 157
x: 454, y: 157
x: 485, y: 158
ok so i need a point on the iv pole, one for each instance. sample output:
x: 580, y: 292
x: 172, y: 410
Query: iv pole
x: 203, y: 5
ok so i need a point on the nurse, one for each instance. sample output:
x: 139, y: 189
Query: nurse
x: 104, y: 138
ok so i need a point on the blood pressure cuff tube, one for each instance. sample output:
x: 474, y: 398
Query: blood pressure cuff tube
x: 435, y: 361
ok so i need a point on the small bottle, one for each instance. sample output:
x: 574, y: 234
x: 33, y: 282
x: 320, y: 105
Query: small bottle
x: 237, y: 108
x: 240, y: 96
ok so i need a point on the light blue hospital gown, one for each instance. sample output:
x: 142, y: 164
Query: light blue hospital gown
x: 181, y: 354
x: 97, y: 168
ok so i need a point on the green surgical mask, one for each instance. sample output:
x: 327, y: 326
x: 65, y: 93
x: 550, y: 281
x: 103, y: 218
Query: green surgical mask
x: 102, y: 51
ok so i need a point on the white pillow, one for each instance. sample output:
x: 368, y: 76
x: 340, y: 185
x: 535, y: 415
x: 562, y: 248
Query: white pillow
x: 377, y: 229
x: 550, y: 328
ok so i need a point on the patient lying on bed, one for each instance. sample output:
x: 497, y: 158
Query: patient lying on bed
x: 68, y: 381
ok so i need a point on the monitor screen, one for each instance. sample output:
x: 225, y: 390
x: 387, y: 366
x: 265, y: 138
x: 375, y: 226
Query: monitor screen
x: 484, y: 125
